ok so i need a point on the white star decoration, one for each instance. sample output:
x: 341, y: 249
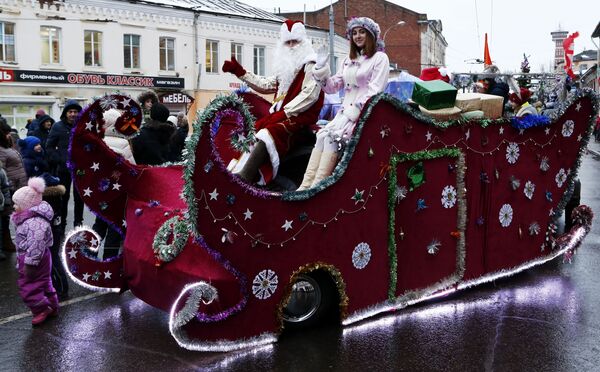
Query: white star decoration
x: 521, y: 131
x: 579, y: 138
x: 95, y: 166
x: 127, y: 102
x: 501, y: 130
x: 468, y: 134
x: 214, y: 194
x: 547, y: 130
x: 107, y: 274
x: 87, y: 192
x: 428, y: 136
x: 72, y: 253
x: 124, y: 224
x: 89, y: 125
x: 86, y: 276
x: 578, y: 107
x: 248, y: 214
x: 116, y: 186
x: 287, y: 225
x: 94, y: 242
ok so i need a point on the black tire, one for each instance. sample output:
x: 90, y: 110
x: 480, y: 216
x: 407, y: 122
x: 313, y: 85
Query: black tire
x: 314, y: 300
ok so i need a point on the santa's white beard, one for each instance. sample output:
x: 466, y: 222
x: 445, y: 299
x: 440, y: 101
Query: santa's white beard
x: 288, y: 62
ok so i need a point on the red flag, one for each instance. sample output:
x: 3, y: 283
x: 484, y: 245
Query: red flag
x: 487, y: 60
x: 568, y: 46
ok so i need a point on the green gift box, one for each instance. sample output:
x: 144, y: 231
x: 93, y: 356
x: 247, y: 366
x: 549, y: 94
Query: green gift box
x: 434, y: 94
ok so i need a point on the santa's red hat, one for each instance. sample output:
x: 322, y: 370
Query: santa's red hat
x: 435, y: 73
x: 292, y: 30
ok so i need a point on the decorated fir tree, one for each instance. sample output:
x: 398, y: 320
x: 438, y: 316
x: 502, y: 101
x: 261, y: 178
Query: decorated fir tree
x: 524, y: 81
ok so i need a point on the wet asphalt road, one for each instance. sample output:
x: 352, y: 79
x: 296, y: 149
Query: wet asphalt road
x: 545, y: 319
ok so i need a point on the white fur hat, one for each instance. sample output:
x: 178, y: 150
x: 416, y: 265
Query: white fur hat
x: 292, y: 30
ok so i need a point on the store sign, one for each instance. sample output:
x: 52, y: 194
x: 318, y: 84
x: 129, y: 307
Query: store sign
x: 77, y: 78
x: 176, y: 98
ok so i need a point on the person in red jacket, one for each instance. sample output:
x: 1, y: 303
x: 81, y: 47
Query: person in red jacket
x: 297, y: 103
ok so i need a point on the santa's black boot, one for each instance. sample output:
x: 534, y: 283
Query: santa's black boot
x: 258, y: 157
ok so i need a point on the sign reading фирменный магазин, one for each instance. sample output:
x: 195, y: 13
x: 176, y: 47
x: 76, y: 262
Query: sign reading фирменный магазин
x: 79, y: 78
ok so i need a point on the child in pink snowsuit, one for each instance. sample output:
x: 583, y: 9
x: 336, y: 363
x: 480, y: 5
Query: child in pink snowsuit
x: 33, y: 240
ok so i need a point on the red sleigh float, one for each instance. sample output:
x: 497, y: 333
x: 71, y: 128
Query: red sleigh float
x: 414, y: 209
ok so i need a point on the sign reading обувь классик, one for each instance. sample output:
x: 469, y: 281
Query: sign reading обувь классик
x: 82, y: 78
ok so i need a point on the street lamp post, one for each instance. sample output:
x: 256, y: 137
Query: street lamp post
x: 399, y: 23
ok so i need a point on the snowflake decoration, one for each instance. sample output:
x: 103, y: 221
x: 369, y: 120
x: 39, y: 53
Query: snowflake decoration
x: 568, y: 128
x: 534, y: 228
x: 264, y: 284
x: 433, y: 247
x: 505, y: 215
x: 545, y: 164
x: 512, y: 152
x: 400, y: 194
x: 449, y: 196
x: 77, y: 240
x: 421, y: 205
x: 561, y: 177
x: 529, y: 189
x: 108, y: 102
x: 361, y: 255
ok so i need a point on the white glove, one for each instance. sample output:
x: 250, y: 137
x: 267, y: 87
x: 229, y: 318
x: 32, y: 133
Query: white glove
x: 322, y: 57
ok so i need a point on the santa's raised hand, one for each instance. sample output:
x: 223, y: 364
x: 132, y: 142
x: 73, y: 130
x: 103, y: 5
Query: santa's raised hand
x: 233, y: 67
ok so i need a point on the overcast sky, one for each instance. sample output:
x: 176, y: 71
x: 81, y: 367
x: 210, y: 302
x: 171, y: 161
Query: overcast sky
x: 514, y: 27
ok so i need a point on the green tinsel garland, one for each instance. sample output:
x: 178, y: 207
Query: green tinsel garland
x: 391, y: 202
x: 222, y: 102
x: 178, y: 228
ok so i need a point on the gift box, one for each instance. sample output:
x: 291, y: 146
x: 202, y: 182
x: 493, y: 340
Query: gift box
x: 402, y: 90
x: 434, y: 94
x: 444, y: 114
x: 468, y: 102
x: 491, y: 105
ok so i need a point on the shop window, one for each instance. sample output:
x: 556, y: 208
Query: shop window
x: 92, y: 46
x: 17, y: 115
x: 131, y: 51
x: 259, y: 60
x: 167, y: 53
x: 212, y: 56
x: 50, y: 45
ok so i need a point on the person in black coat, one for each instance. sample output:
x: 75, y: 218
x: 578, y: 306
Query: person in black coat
x: 57, y: 148
x: 43, y: 129
x: 151, y: 145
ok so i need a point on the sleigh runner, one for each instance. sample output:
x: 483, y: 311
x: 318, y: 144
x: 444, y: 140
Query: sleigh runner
x: 414, y: 209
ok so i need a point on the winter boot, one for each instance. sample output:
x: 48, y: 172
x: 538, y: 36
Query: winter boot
x: 258, y: 157
x: 326, y: 166
x: 311, y: 169
x: 41, y: 317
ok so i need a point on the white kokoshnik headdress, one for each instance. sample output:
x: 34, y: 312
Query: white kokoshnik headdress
x: 369, y: 25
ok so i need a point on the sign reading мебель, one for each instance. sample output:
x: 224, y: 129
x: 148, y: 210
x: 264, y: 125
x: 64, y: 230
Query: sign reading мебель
x: 80, y: 78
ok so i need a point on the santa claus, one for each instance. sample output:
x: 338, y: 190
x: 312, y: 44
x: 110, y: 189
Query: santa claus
x: 296, y: 105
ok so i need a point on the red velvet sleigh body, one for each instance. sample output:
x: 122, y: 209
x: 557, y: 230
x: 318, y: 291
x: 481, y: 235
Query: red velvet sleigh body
x: 413, y: 210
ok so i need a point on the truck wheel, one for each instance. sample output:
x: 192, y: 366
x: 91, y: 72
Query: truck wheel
x: 313, y: 300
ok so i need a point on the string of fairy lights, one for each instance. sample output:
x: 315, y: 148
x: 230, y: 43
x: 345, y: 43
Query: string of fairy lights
x: 309, y: 222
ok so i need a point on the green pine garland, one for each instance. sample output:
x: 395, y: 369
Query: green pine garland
x: 176, y: 227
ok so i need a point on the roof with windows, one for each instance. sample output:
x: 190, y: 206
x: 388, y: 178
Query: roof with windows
x: 226, y: 7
